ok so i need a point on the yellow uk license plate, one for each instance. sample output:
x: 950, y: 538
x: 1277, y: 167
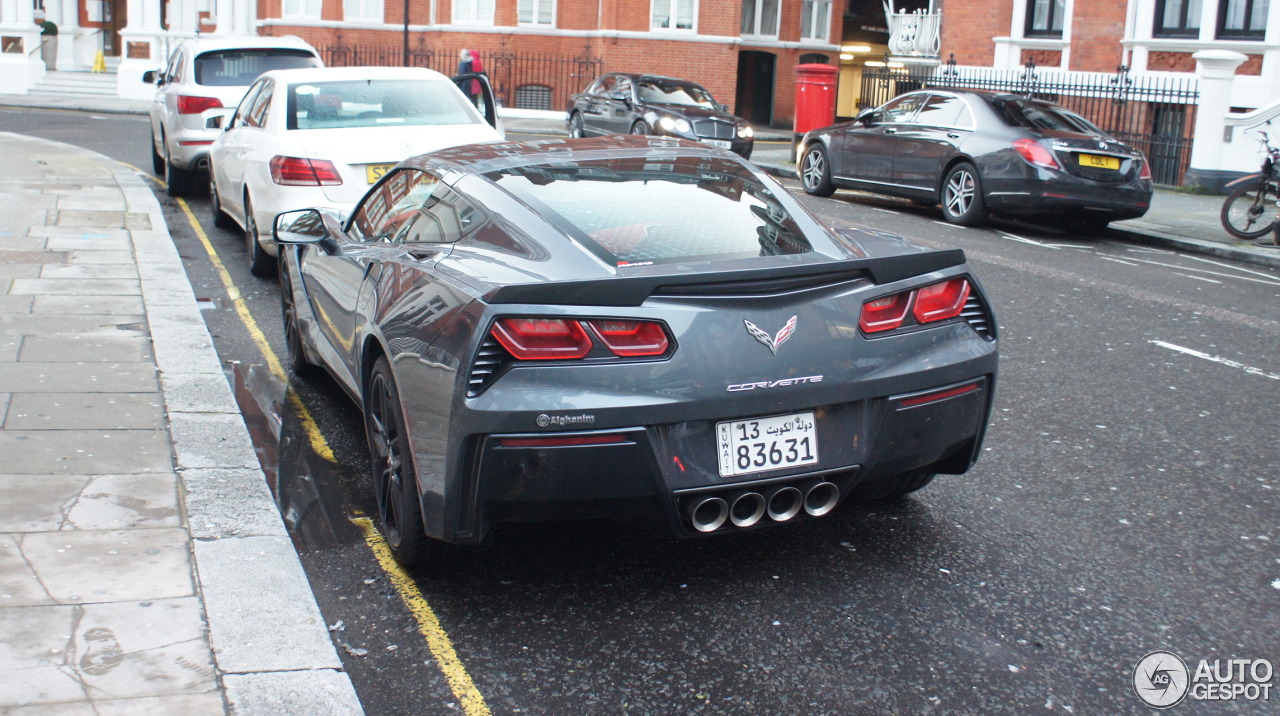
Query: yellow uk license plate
x: 1100, y: 162
x: 375, y: 171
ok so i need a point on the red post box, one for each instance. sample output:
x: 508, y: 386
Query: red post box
x: 815, y: 96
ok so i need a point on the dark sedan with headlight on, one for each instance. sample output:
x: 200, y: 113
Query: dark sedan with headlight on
x: 977, y: 154
x: 633, y: 328
x: 621, y: 103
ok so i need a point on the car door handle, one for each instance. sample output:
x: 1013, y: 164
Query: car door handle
x: 890, y: 130
x: 953, y: 135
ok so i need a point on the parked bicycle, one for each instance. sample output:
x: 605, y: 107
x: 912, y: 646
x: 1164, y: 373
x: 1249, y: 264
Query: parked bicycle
x: 1249, y: 212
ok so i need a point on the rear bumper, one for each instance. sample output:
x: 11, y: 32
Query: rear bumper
x: 1052, y: 192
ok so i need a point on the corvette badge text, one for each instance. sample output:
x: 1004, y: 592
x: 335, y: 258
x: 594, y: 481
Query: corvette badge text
x: 1163, y: 680
x: 782, y: 383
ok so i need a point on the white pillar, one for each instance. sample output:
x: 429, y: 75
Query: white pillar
x: 143, y: 32
x: 1216, y: 70
x: 20, y: 63
x: 222, y: 14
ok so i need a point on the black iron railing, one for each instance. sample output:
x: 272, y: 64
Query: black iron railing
x: 1154, y: 114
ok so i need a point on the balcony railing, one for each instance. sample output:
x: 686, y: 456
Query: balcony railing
x: 913, y: 34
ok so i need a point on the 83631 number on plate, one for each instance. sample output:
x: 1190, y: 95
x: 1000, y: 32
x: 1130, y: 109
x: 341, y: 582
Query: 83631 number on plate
x: 762, y: 444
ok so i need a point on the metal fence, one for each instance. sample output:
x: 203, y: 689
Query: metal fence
x: 1153, y: 114
x: 521, y: 80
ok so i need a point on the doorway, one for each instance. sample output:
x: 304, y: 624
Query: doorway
x: 756, y: 71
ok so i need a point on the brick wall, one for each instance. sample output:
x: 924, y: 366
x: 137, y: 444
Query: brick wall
x: 1097, y: 26
x: 968, y: 26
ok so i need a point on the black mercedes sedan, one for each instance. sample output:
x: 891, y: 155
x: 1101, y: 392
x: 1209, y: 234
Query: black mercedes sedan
x: 631, y: 328
x: 977, y: 153
x: 621, y: 103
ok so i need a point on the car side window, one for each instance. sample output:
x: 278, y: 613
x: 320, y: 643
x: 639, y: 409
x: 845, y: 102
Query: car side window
x: 443, y: 219
x: 606, y: 85
x: 257, y: 116
x: 171, y: 71
x: 902, y: 109
x: 387, y: 209
x: 623, y: 87
x: 944, y: 111
x: 242, y: 110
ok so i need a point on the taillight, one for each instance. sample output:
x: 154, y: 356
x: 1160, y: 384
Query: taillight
x: 933, y: 303
x: 188, y: 104
x: 1035, y: 153
x: 941, y: 300
x: 632, y: 338
x: 542, y: 338
x: 296, y: 171
x: 1144, y: 169
x: 885, y: 314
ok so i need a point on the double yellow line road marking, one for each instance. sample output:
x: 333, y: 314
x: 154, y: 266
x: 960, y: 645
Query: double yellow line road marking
x: 446, y: 657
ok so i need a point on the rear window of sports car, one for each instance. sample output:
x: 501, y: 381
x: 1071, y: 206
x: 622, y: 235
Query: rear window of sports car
x: 638, y: 214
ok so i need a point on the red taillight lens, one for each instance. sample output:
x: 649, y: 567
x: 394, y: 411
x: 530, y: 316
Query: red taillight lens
x: 542, y: 338
x: 1144, y: 169
x: 885, y: 314
x: 296, y: 171
x: 1035, y: 153
x: 188, y: 104
x: 632, y: 338
x: 941, y: 300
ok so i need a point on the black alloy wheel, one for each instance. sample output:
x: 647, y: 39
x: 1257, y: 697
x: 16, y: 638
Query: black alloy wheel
x: 641, y: 127
x: 394, y: 479
x: 261, y: 263
x: 575, y: 126
x: 962, y: 202
x: 815, y: 171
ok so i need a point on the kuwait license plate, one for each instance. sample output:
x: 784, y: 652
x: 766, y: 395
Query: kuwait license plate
x: 1099, y: 161
x: 375, y: 171
x: 761, y: 444
x: 722, y: 143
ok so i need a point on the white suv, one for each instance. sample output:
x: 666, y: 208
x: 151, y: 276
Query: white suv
x: 205, y: 74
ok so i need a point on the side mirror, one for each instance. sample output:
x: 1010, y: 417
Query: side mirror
x: 217, y: 118
x: 150, y: 76
x: 303, y: 226
x: 867, y: 118
x: 724, y: 106
x: 621, y: 97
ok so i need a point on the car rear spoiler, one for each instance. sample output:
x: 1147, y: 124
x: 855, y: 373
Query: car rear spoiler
x: 634, y: 290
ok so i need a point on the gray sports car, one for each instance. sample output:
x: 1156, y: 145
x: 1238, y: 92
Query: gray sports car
x: 635, y: 328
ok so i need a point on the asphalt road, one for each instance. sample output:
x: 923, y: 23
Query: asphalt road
x: 1126, y: 502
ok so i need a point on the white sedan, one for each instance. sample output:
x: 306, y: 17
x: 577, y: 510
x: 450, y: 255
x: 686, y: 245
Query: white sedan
x: 321, y: 137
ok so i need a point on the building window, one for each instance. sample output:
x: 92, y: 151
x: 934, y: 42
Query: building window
x: 1242, y: 18
x: 673, y: 14
x: 760, y: 18
x: 1177, y: 18
x: 366, y: 10
x: 301, y: 8
x: 815, y: 20
x: 1044, y: 17
x: 536, y: 12
x: 473, y: 12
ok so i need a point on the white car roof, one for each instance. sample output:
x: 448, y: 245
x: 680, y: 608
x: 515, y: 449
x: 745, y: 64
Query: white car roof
x: 338, y: 74
x: 204, y: 44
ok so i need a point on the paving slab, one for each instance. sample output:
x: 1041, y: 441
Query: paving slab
x: 38, y: 503
x: 73, y: 287
x: 110, y: 565
x: 87, y: 304
x: 95, y: 270
x: 17, y: 270
x: 10, y: 305
x: 86, y: 411
x: 121, y: 348
x: 68, y: 377
x: 316, y: 693
x: 79, y: 452
x: 222, y: 503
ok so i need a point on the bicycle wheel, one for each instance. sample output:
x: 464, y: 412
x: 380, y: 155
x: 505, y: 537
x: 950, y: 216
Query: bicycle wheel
x: 1250, y: 210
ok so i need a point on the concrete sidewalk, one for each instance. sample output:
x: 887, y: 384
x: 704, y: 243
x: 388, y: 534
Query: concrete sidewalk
x: 144, y: 568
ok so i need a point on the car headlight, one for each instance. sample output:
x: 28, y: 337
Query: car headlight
x: 674, y: 124
x: 746, y: 132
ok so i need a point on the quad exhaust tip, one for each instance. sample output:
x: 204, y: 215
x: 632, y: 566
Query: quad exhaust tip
x: 708, y: 515
x: 784, y: 504
x: 821, y: 499
x: 746, y: 509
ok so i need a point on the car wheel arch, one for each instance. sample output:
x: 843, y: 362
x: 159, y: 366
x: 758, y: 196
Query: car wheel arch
x: 946, y: 169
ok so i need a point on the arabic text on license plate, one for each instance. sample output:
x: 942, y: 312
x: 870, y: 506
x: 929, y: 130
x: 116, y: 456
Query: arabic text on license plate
x: 375, y: 171
x: 760, y: 444
x: 1096, y: 160
x: 722, y: 143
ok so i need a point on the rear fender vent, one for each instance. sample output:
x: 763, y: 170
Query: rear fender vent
x: 467, y: 488
x: 975, y: 313
x: 491, y: 360
x: 766, y: 287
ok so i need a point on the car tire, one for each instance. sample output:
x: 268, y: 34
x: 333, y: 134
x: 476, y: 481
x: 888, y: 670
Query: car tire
x: 890, y: 488
x: 815, y: 171
x: 295, y: 350
x: 261, y: 263
x: 180, y: 182
x: 220, y: 218
x: 157, y: 161
x: 641, y: 127
x: 962, y: 202
x: 394, y: 477
x: 576, y: 130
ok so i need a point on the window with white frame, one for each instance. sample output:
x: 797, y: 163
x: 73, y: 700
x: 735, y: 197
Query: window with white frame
x: 301, y: 8
x: 760, y: 17
x: 536, y: 12
x: 1243, y: 19
x: 1045, y: 17
x: 366, y: 10
x: 1177, y: 18
x: 473, y: 12
x: 815, y: 20
x: 673, y: 14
